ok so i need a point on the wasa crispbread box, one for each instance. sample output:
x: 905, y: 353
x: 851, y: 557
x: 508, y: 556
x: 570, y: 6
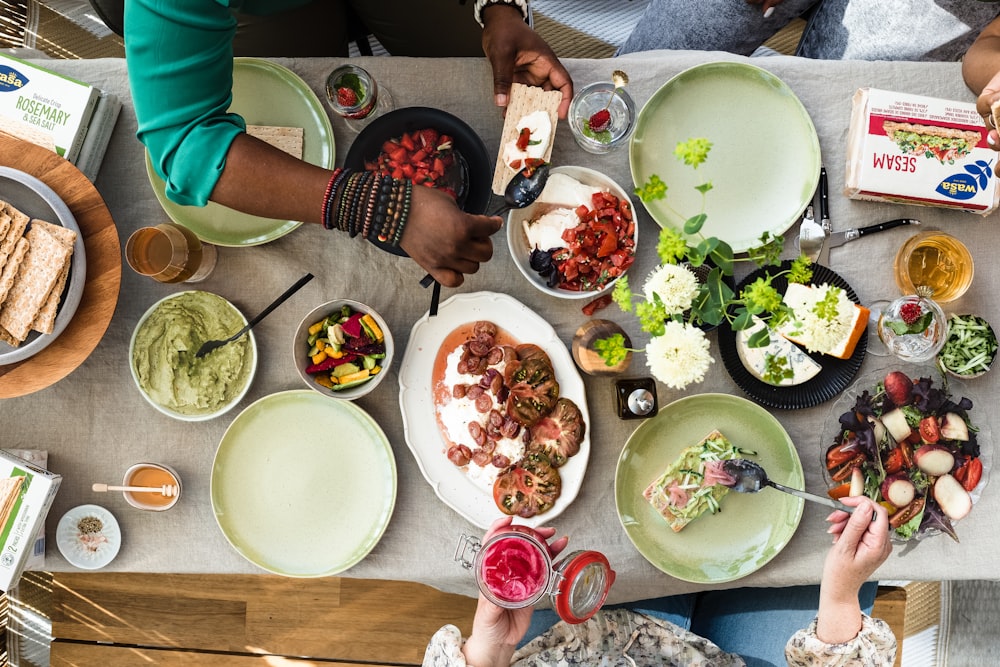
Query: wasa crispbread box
x: 913, y: 149
x: 26, y: 493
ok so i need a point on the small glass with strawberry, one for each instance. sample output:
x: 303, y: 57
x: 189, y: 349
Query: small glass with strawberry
x: 912, y: 328
x: 602, y: 115
x: 355, y: 95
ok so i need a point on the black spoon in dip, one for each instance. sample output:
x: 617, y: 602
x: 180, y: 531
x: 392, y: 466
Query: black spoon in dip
x: 522, y: 190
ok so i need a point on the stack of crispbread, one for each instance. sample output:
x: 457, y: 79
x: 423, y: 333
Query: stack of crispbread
x: 34, y: 266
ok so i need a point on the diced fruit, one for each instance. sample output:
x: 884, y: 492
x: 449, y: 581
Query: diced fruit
x: 346, y: 97
x: 895, y: 422
x: 898, y: 490
x: 857, y: 482
x: 952, y: 498
x: 358, y: 374
x: 953, y: 427
x: 371, y: 327
x: 878, y: 428
x: 600, y: 121
x: 352, y: 325
x: 911, y: 312
x: 343, y: 349
x: 934, y: 460
x: 899, y: 388
x: 345, y: 369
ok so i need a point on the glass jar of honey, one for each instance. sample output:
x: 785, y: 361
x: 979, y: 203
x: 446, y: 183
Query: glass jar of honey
x: 516, y: 569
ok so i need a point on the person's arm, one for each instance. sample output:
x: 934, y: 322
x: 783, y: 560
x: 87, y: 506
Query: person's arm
x: 860, y: 546
x: 841, y: 633
x: 518, y: 54
x: 982, y: 62
x: 179, y: 56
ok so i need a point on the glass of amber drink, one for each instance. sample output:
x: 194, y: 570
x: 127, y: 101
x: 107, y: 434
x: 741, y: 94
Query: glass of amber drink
x: 934, y: 264
x: 170, y: 253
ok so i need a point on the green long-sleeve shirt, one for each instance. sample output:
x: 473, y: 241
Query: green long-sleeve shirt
x: 180, y: 65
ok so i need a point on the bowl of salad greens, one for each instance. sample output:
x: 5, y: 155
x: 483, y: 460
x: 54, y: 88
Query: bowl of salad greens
x: 970, y: 348
x: 909, y: 437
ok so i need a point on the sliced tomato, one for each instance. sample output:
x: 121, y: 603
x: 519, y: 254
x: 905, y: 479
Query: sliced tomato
x: 894, y: 461
x: 558, y: 434
x: 529, y: 487
x: 970, y: 473
x: 533, y: 391
x: 930, y: 431
x: 523, y: 139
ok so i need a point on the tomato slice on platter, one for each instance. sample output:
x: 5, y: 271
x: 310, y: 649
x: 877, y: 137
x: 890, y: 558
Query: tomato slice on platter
x: 558, y: 434
x: 533, y: 391
x: 529, y: 487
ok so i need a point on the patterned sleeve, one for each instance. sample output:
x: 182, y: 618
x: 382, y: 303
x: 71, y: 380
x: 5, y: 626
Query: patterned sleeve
x: 874, y: 645
x: 445, y: 649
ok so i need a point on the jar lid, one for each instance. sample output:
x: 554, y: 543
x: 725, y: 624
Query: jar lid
x: 585, y: 579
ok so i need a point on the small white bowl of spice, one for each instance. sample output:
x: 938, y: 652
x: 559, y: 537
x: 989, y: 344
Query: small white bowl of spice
x: 970, y: 348
x: 88, y: 536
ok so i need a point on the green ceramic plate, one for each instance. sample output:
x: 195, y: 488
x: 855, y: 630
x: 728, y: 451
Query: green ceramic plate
x: 765, y: 158
x: 303, y: 485
x: 264, y: 94
x: 750, y: 530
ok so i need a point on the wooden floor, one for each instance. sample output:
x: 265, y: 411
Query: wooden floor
x: 111, y: 619
x: 243, y: 621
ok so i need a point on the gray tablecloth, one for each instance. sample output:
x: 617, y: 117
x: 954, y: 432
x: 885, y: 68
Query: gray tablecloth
x: 94, y: 423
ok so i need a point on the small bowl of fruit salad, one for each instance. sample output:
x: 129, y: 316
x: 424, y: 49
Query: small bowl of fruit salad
x: 577, y: 238
x: 343, y: 349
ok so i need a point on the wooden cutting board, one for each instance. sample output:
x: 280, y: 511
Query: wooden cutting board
x: 104, y: 270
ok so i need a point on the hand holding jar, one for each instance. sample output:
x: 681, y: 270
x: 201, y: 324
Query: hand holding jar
x: 515, y: 568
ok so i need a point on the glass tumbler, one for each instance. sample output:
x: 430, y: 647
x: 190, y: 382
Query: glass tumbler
x: 170, y: 253
x: 354, y: 95
x: 595, y: 98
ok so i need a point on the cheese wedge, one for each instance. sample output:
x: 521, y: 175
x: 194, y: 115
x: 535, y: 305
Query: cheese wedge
x: 781, y: 363
x: 825, y: 319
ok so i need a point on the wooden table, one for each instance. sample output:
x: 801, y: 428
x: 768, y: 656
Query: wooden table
x: 94, y: 423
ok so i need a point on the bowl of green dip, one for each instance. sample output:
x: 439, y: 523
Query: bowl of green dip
x: 163, y: 362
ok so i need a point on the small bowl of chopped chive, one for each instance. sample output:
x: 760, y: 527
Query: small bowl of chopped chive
x: 970, y: 348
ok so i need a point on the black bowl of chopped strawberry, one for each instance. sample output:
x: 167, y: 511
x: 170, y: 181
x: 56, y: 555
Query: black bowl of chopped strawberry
x: 431, y: 147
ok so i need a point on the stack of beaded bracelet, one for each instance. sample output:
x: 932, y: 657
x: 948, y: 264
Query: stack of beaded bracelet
x: 370, y: 204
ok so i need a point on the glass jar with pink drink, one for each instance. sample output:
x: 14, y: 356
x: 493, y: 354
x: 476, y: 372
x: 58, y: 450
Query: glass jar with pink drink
x: 515, y: 568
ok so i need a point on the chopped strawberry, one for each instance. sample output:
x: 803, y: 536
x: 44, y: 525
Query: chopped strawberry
x: 600, y: 121
x: 407, y: 142
x: 346, y: 97
x: 911, y: 312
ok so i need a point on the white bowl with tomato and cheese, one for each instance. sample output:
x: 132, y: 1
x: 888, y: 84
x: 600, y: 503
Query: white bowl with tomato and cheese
x: 584, y: 222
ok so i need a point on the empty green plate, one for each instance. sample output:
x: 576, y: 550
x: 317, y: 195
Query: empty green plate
x: 765, y: 158
x: 750, y: 530
x: 264, y: 94
x: 303, y: 485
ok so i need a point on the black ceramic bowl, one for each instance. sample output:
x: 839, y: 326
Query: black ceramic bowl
x: 368, y: 145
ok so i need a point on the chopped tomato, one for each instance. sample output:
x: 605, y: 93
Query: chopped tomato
x: 423, y: 156
x: 969, y: 474
x: 841, y: 491
x: 523, y: 139
x: 895, y: 461
x: 930, y: 431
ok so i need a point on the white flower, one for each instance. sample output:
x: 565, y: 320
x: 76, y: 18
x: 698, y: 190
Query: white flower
x: 676, y: 286
x: 680, y: 356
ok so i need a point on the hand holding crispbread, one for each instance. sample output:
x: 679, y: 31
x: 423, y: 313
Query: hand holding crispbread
x: 35, y: 258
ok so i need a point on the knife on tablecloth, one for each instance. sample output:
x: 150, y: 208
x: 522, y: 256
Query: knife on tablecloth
x: 840, y: 238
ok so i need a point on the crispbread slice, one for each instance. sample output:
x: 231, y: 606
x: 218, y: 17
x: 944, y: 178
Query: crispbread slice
x: 524, y: 100
x: 7, y: 338
x: 288, y: 139
x: 10, y: 269
x: 18, y: 222
x: 39, y: 271
x: 45, y: 321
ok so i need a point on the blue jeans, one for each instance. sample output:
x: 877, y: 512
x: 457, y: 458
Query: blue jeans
x: 754, y: 623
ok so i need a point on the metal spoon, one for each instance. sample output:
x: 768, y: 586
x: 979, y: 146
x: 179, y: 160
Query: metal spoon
x: 210, y: 345
x: 524, y: 188
x: 751, y: 478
